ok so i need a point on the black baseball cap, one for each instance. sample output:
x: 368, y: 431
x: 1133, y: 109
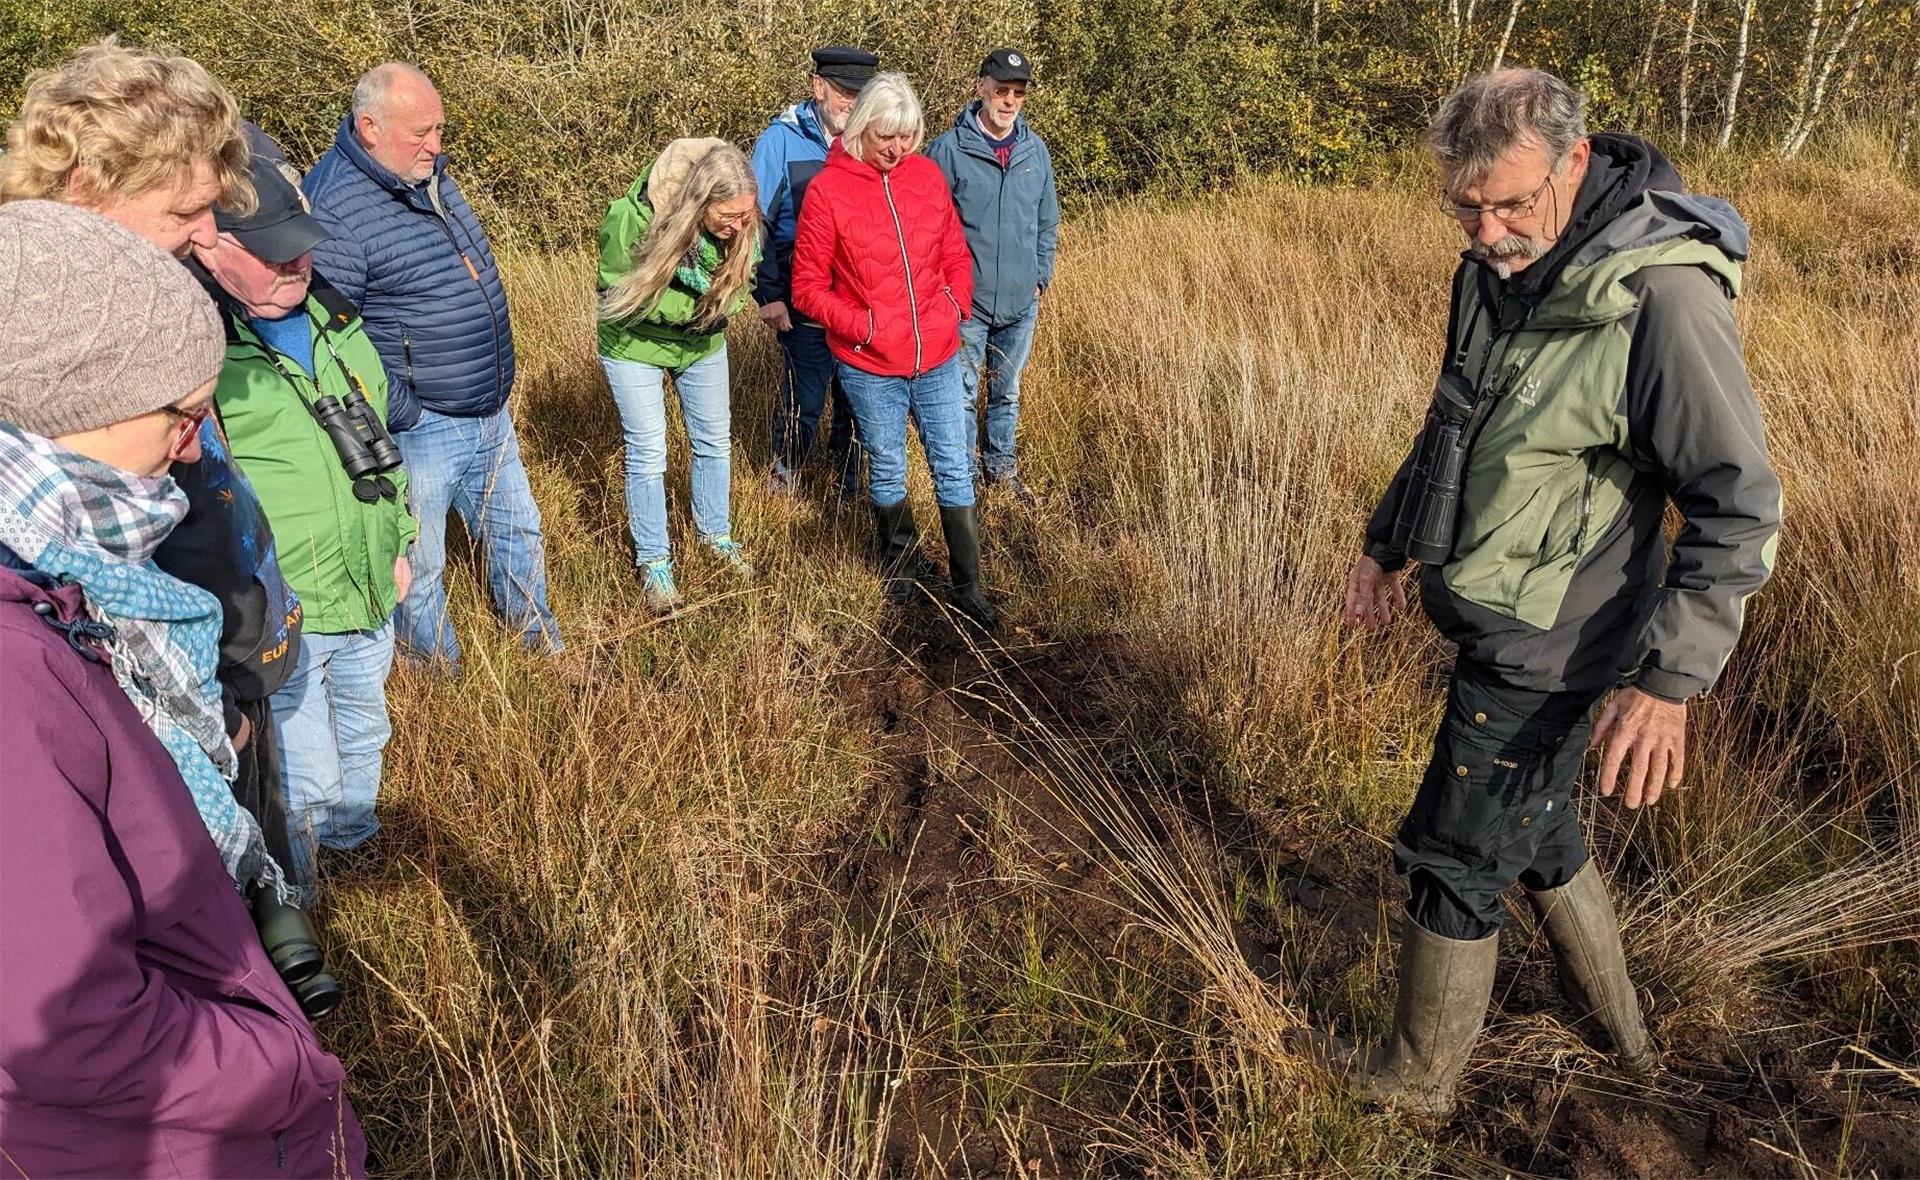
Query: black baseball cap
x: 845, y: 66
x: 280, y: 229
x: 1007, y: 65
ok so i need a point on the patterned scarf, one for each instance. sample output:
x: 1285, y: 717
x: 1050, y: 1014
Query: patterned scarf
x: 697, y: 268
x: 91, y: 523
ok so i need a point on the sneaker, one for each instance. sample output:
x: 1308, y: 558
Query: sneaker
x: 728, y: 550
x: 656, y: 582
x: 783, y: 480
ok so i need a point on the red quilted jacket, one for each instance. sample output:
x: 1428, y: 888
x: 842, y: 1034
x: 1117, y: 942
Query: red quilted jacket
x: 883, y: 263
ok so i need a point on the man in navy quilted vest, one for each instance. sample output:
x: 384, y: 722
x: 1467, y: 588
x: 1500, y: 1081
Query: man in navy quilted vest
x: 407, y: 249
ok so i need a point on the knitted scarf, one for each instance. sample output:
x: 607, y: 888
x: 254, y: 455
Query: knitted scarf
x: 698, y: 266
x: 87, y: 522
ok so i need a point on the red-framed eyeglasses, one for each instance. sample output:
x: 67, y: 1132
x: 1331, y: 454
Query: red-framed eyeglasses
x: 183, y: 436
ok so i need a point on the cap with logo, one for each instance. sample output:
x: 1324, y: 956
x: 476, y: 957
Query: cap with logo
x: 845, y: 66
x: 280, y: 229
x: 1007, y: 65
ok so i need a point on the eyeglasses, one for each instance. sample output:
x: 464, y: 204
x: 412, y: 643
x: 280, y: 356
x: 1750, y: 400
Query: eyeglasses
x: 190, y: 421
x: 1507, y: 211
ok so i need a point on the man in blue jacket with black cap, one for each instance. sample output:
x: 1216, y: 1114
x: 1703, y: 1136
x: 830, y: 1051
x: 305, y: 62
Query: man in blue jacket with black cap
x: 786, y: 158
x: 408, y: 251
x: 1003, y: 185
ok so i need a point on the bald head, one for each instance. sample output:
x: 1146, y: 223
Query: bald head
x: 398, y: 118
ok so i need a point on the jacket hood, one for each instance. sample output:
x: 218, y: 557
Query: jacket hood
x: 1632, y: 210
x: 800, y: 120
x: 351, y: 147
x: 22, y: 583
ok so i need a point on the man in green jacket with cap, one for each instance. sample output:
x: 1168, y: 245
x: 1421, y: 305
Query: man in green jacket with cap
x: 303, y: 400
x: 1593, y: 374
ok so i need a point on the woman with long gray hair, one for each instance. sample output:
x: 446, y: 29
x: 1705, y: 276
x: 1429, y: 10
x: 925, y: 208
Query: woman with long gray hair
x: 677, y: 256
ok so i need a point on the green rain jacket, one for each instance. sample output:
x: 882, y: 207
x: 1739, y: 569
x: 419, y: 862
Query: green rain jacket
x: 1609, y: 381
x: 664, y: 337
x: 335, y: 551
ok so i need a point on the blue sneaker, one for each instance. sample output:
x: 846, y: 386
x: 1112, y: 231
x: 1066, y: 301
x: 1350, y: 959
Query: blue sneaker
x: 728, y: 550
x: 656, y: 582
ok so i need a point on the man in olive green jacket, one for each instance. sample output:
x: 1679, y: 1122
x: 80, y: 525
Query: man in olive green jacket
x: 1593, y: 374
x: 303, y: 400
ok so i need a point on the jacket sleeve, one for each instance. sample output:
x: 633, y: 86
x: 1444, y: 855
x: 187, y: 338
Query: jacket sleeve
x: 1379, y: 540
x: 342, y: 261
x: 1692, y: 419
x: 618, y: 232
x: 1049, y: 239
x: 813, y: 290
x: 770, y: 175
x: 959, y: 259
x: 83, y: 1023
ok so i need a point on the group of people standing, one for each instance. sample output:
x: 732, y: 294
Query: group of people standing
x: 237, y: 407
x: 894, y: 281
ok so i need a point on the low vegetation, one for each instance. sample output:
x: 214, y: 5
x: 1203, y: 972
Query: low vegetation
x: 806, y: 885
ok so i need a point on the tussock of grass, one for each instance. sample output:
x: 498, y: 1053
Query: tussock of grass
x: 611, y: 929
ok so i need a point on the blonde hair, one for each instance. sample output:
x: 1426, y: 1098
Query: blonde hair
x: 887, y: 105
x: 114, y: 121
x: 690, y: 176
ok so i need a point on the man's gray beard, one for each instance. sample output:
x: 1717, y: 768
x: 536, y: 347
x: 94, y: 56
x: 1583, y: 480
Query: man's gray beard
x: 1501, y: 254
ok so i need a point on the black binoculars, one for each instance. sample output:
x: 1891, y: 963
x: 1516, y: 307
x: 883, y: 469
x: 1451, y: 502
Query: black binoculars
x: 361, y: 440
x: 1429, y: 517
x: 295, y: 952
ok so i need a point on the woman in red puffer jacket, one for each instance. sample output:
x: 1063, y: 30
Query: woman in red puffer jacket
x: 881, y: 260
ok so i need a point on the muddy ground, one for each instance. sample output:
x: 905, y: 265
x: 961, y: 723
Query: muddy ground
x: 934, y: 839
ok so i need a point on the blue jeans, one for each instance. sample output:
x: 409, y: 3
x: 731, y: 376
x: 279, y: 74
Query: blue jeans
x: 882, y: 406
x: 472, y: 465
x: 331, y: 719
x: 1004, y: 349
x: 806, y: 384
x: 639, y: 390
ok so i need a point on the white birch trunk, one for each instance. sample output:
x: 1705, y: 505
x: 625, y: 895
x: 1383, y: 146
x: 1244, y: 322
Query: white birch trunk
x: 1815, y: 102
x: 1737, y: 74
x: 1686, y: 69
x: 1506, y: 35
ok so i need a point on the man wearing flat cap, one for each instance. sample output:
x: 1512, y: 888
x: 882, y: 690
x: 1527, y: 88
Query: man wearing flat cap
x: 1002, y: 179
x: 786, y: 158
x: 303, y: 399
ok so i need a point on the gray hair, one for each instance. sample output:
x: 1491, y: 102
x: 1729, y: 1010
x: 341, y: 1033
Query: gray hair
x: 1491, y: 114
x: 887, y: 105
x: 370, y: 92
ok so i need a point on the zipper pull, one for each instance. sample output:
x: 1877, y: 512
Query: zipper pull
x: 470, y: 271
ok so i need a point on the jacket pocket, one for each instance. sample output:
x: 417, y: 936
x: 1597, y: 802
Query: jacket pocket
x: 958, y: 314
x: 406, y: 355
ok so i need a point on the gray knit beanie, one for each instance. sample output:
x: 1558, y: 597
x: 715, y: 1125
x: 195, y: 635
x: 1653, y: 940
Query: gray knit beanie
x: 101, y: 325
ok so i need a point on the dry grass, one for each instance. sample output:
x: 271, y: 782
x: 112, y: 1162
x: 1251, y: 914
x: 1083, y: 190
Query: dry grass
x: 610, y: 929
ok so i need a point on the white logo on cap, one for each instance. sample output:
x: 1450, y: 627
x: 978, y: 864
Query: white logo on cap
x: 1013, y: 59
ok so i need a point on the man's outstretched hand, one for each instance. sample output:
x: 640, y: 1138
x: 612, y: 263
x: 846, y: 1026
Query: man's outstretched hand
x: 1646, y: 735
x: 1374, y: 596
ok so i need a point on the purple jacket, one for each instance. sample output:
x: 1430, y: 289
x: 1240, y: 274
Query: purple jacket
x: 142, y: 1029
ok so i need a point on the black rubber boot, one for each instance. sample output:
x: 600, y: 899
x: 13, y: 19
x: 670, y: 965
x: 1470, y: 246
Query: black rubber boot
x: 901, y: 562
x: 963, y: 561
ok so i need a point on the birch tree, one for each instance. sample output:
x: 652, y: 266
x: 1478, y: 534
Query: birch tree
x: 1814, y: 85
x: 1686, y: 68
x: 1506, y: 35
x: 1736, y: 73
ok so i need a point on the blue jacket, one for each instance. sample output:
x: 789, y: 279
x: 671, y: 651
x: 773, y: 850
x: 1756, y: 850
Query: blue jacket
x: 413, y: 258
x: 1011, y: 214
x: 786, y: 158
